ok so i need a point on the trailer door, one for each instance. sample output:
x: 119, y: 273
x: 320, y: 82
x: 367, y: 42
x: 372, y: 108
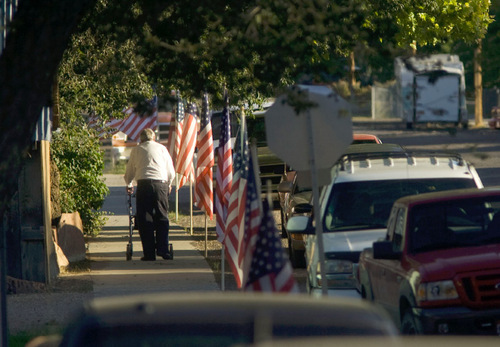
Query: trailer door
x: 437, y: 97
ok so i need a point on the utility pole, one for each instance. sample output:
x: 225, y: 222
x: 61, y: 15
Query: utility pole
x: 3, y: 249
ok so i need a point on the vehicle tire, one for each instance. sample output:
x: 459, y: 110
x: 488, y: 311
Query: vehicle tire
x: 297, y: 258
x: 409, y: 325
x: 409, y: 125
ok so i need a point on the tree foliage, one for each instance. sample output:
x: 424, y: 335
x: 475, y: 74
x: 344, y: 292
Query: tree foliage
x: 100, y: 77
x: 428, y: 22
x: 80, y: 161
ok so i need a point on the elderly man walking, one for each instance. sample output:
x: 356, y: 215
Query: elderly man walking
x: 151, y: 166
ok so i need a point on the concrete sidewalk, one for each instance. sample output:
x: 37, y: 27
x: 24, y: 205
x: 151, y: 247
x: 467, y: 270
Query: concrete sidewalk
x: 112, y: 274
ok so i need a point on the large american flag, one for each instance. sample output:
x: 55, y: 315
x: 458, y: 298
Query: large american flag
x: 235, y: 222
x: 270, y: 269
x: 184, y: 163
x: 223, y: 174
x: 252, y: 219
x: 133, y: 123
x: 175, y: 130
x: 203, y: 193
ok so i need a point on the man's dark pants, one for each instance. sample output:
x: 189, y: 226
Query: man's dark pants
x: 152, y: 215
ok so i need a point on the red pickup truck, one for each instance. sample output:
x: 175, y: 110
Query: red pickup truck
x: 438, y: 269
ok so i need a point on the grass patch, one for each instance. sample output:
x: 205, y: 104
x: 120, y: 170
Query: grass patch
x: 78, y: 267
x: 117, y: 169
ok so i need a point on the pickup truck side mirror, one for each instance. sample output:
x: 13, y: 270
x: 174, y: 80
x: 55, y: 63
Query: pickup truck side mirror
x: 384, y: 250
x: 300, y: 225
x: 285, y: 187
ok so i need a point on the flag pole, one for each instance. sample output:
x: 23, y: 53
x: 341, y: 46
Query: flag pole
x: 206, y: 237
x: 222, y: 268
x: 176, y: 197
x: 191, y: 203
x: 254, y: 158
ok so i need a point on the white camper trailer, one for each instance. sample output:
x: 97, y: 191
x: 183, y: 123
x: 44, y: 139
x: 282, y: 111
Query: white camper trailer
x: 430, y: 88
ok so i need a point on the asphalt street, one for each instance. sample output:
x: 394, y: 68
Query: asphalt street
x: 478, y: 145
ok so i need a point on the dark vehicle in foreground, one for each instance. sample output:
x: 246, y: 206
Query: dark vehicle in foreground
x: 220, y: 319
x: 438, y: 269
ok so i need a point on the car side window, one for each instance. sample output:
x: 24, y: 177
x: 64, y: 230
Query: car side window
x: 397, y: 239
x: 390, y: 225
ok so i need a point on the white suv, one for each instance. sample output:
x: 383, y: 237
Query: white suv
x: 355, y: 206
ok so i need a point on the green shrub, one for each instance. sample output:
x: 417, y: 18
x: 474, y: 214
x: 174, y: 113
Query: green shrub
x: 80, y: 161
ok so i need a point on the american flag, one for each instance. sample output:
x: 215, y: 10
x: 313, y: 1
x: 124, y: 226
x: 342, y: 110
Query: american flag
x: 203, y: 193
x: 133, y: 123
x: 235, y: 222
x: 223, y: 174
x: 184, y: 164
x: 175, y: 131
x: 253, y: 219
x: 243, y: 218
x: 270, y: 269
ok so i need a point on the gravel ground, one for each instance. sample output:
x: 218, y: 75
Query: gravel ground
x: 45, y: 312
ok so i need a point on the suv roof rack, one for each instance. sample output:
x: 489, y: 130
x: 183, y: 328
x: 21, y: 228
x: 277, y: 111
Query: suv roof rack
x: 402, y: 153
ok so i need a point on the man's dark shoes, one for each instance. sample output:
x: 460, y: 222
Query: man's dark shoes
x: 148, y: 259
x: 166, y: 256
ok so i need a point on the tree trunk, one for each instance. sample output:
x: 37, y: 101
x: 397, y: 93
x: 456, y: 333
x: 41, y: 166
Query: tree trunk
x: 352, y: 77
x: 36, y: 40
x: 352, y: 71
x: 478, y: 86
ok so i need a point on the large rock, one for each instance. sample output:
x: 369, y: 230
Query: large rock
x: 70, y: 236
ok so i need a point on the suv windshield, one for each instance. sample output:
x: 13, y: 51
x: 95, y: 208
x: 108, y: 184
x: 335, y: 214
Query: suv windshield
x: 460, y: 223
x: 367, y: 204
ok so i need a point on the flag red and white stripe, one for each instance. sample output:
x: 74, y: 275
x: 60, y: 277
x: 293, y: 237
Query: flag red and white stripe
x: 243, y: 217
x: 184, y: 163
x: 270, y: 269
x: 223, y: 175
x: 235, y: 221
x: 252, y: 220
x: 203, y: 192
x: 175, y: 131
x: 134, y: 123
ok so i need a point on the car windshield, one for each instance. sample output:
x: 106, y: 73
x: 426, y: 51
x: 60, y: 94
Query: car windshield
x: 462, y: 223
x: 367, y: 204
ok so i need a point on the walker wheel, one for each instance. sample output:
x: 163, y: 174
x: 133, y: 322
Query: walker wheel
x: 129, y: 252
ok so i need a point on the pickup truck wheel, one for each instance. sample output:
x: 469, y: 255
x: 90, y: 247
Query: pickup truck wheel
x: 408, y: 324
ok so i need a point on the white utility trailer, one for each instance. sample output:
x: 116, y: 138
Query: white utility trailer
x: 430, y: 89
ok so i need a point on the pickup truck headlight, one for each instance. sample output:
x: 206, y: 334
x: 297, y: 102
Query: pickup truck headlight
x: 433, y: 291
x: 337, y: 267
x: 339, y: 274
